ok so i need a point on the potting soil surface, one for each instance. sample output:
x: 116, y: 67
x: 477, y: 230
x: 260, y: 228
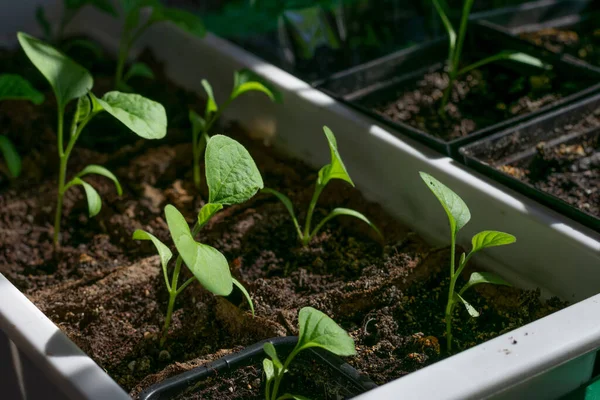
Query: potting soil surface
x: 106, y: 290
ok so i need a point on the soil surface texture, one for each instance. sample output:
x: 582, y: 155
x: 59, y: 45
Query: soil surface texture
x: 569, y: 169
x: 580, y: 41
x: 106, y: 291
x: 479, y: 99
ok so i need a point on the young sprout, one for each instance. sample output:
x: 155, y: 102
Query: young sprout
x: 243, y: 81
x: 15, y: 87
x: 333, y: 170
x: 71, y: 81
x: 316, y: 330
x: 132, y: 32
x: 458, y: 216
x: 232, y: 178
x: 456, y: 43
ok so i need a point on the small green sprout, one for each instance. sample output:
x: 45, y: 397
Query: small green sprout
x: 458, y: 216
x: 71, y: 81
x: 456, y: 43
x: 132, y: 32
x: 15, y: 87
x: 243, y: 81
x: 232, y: 178
x: 334, y: 170
x: 70, y: 9
x: 316, y: 330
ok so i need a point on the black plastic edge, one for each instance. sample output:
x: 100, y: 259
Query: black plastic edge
x: 470, y: 159
x: 249, y: 355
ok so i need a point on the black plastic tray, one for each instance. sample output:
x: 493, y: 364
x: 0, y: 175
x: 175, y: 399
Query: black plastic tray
x: 520, y: 143
x: 574, y: 14
x: 355, y: 382
x: 401, y: 68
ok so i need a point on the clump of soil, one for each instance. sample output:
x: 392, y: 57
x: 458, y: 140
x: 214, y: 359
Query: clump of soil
x: 580, y: 41
x: 106, y: 292
x: 479, y: 99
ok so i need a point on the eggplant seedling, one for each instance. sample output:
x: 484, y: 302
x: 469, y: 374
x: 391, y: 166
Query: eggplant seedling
x: 333, y: 170
x: 15, y: 87
x: 243, y: 81
x: 232, y: 178
x: 455, y: 47
x: 132, y: 32
x: 71, y: 81
x: 458, y: 216
x: 316, y: 330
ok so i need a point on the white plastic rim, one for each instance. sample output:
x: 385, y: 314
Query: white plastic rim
x: 552, y: 252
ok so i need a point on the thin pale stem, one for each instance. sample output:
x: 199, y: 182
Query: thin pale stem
x: 449, y: 305
x: 174, y: 291
x: 62, y: 174
x: 279, y: 376
x: 196, y: 157
x: 311, y: 209
x: 124, y: 48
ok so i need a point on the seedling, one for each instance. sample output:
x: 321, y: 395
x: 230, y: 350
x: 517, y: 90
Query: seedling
x: 15, y: 87
x: 316, y: 330
x: 232, y: 178
x: 243, y: 81
x: 132, y: 32
x: 455, y: 48
x: 334, y: 170
x: 458, y: 216
x: 71, y: 81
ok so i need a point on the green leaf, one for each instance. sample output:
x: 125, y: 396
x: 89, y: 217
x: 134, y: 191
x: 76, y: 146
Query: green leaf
x: 100, y: 170
x: 288, y: 205
x: 11, y: 157
x: 68, y: 79
x: 102, y: 5
x: 269, y: 369
x: 198, y: 123
x: 483, y: 277
x: 527, y: 59
x: 456, y: 209
x: 207, y: 211
x: 163, y: 251
x: 183, y: 19
x: 487, y: 239
x: 270, y: 350
x: 207, y: 264
x: 15, y: 87
x: 42, y: 20
x: 336, y: 169
x: 247, y: 81
x: 345, y: 211
x: 211, y: 103
x: 84, y: 108
x: 93, y: 198
x: 245, y: 293
x: 318, y: 330
x: 231, y: 174
x: 470, y: 309
x: 146, y: 118
x: 135, y: 5
x: 139, y: 69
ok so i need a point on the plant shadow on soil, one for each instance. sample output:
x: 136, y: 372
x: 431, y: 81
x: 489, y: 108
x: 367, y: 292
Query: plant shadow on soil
x: 106, y: 291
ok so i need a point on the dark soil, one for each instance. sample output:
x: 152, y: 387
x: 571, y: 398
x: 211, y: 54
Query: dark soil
x: 569, y: 170
x: 306, y: 377
x: 582, y: 42
x: 479, y: 99
x: 105, y: 291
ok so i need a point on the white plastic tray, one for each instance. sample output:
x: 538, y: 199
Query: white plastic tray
x: 552, y: 252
